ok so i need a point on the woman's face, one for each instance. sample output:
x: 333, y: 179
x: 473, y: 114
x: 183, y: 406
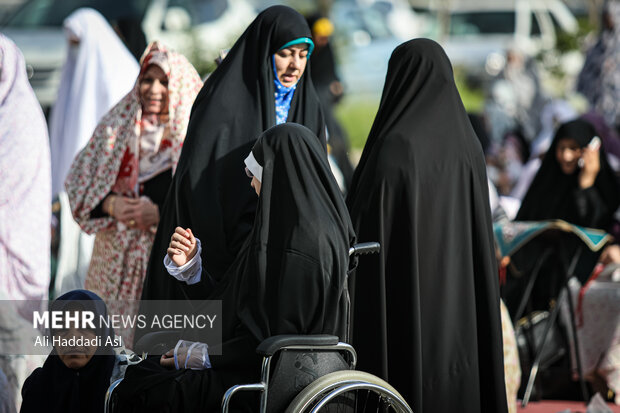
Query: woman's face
x: 568, y: 152
x: 291, y: 63
x: 76, y: 355
x: 154, y: 90
x: 254, y: 183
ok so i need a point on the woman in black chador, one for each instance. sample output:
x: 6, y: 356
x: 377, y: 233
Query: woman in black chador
x: 426, y: 310
x: 574, y: 183
x: 289, y: 278
x: 263, y: 81
x: 74, y: 379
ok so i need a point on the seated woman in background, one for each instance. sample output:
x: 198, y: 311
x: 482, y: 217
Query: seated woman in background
x: 118, y: 182
x: 574, y: 183
x: 289, y: 278
x: 74, y: 379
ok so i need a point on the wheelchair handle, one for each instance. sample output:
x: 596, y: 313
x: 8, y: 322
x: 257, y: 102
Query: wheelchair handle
x: 364, y: 248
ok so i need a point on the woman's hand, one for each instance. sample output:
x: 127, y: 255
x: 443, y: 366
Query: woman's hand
x: 591, y: 166
x: 145, y: 214
x: 120, y: 207
x: 167, y: 360
x: 182, y: 246
x: 610, y: 255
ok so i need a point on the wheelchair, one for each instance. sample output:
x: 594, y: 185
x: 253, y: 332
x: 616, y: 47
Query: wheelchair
x: 302, y: 373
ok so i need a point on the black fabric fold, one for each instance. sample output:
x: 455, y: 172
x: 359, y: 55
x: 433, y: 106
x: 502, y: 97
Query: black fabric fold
x: 426, y: 312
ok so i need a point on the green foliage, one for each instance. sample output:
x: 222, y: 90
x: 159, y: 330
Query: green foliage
x: 356, y: 114
x: 472, y: 93
x: 567, y: 42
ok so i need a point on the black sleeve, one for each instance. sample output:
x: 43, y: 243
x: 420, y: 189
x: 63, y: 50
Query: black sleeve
x: 157, y: 187
x: 98, y: 211
x: 236, y: 353
x: 591, y: 208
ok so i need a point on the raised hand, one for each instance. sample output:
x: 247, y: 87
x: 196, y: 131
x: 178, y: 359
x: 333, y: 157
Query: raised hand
x: 182, y: 246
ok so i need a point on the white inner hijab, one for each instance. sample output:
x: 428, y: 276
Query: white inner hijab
x: 254, y: 167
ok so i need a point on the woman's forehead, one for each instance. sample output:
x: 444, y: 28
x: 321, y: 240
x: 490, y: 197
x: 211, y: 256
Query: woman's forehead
x: 300, y: 46
x: 567, y: 141
x: 155, y: 70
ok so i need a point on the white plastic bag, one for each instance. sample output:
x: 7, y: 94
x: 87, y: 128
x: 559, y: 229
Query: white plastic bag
x: 598, y: 405
x: 191, y: 355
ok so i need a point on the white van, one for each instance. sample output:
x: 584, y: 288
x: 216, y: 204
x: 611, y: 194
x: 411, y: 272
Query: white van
x: 479, y: 31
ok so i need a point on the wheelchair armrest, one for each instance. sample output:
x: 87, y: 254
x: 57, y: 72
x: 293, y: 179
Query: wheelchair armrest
x: 272, y: 345
x: 157, y: 342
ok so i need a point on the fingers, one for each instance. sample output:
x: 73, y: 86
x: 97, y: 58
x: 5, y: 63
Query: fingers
x: 145, y: 201
x: 181, y: 246
x: 604, y: 258
x: 173, y: 251
x: 192, y: 239
x: 130, y: 201
x: 590, y: 153
x: 167, y: 360
x: 184, y: 236
x: 127, y: 212
x: 182, y: 232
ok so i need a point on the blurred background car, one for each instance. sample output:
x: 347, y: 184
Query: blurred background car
x: 196, y: 28
x: 366, y: 34
x: 7, y: 7
x: 477, y: 33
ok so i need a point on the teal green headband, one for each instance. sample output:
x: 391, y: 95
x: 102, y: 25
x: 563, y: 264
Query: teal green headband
x: 301, y: 40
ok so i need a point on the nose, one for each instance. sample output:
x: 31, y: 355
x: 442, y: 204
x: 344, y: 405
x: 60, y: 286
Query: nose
x: 296, y: 62
x: 157, y: 87
x: 568, y: 155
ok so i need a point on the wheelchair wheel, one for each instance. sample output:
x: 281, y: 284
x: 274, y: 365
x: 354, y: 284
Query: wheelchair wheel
x: 349, y: 391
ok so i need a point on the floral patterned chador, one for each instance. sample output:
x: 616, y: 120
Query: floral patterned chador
x: 126, y: 152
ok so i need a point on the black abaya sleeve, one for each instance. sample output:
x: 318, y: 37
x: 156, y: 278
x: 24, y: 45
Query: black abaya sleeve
x: 591, y: 208
x: 148, y: 386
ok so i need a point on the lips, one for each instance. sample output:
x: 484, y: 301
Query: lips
x: 289, y: 78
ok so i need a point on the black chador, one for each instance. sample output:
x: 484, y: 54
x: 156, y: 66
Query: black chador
x: 426, y: 309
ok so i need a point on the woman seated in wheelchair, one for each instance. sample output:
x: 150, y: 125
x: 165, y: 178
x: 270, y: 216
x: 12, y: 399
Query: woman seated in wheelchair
x: 289, y: 278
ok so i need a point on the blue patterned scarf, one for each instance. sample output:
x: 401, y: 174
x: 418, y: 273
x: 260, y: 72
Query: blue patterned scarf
x: 283, y: 95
